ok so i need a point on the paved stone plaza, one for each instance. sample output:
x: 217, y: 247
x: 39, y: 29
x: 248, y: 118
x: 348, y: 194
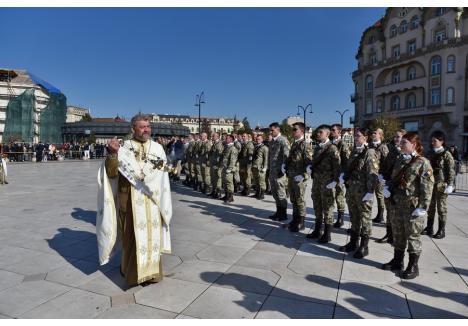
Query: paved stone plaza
x: 228, y: 261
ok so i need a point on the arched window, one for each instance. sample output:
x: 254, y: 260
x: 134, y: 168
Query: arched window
x: 410, y: 101
x: 393, y: 30
x: 369, y: 83
x: 411, y: 73
x: 395, y: 102
x: 379, y: 107
x: 396, y: 77
x: 450, y: 95
x: 451, y: 63
x: 414, y: 22
x: 403, y: 26
x: 435, y: 65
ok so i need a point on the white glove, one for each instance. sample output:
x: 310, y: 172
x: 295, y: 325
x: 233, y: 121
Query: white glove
x: 283, y: 168
x: 368, y: 197
x: 386, y: 192
x: 331, y: 185
x: 264, y: 169
x: 342, y: 179
x: 299, y: 178
x: 448, y: 190
x: 419, y: 212
x: 215, y: 167
x: 228, y: 171
x: 309, y: 169
x: 250, y: 158
x: 381, y: 179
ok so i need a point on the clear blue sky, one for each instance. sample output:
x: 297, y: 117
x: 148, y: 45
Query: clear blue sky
x: 260, y: 63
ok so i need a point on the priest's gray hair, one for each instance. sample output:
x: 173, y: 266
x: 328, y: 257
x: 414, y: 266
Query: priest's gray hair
x: 140, y: 117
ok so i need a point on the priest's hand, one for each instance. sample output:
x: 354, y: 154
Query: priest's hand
x: 113, y: 145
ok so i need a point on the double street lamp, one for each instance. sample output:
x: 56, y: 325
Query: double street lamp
x: 304, y: 110
x: 199, y: 100
x: 341, y: 115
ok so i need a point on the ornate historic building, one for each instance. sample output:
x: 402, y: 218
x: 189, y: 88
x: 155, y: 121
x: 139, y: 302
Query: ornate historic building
x: 412, y: 65
x: 213, y: 124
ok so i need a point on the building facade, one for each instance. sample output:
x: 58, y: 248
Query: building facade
x: 222, y: 125
x: 75, y: 113
x: 412, y: 65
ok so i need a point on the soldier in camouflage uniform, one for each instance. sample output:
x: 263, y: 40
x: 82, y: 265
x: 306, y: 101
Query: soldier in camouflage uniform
x: 410, y: 189
x: 260, y: 166
x: 238, y: 145
x: 196, y: 164
x: 381, y: 150
x: 297, y: 164
x: 326, y: 169
x: 204, y: 162
x: 443, y: 164
x: 361, y: 180
x: 216, y: 156
x: 393, y: 153
x: 193, y: 161
x: 188, y: 161
x: 278, y: 152
x: 245, y: 164
x: 344, y: 150
x: 229, y: 168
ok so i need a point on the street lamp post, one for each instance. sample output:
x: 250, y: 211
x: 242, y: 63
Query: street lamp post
x: 341, y: 115
x: 199, y: 99
x: 304, y: 110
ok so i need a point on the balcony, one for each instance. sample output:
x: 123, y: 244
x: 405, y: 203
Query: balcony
x: 402, y: 86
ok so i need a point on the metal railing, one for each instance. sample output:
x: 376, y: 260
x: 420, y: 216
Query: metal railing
x: 57, y: 156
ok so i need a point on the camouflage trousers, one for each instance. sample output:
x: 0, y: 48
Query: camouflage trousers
x: 205, y: 172
x: 259, y: 179
x: 379, y: 196
x: 406, y: 228
x: 323, y: 200
x: 245, y: 173
x: 439, y: 202
x: 359, y: 211
x: 236, y: 174
x: 278, y: 190
x: 198, y: 172
x: 228, y: 181
x: 216, y: 178
x: 192, y: 171
x: 340, y: 192
x: 390, y: 212
x: 297, y: 196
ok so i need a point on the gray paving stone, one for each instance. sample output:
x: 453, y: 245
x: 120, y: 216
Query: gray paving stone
x: 248, y: 279
x: 186, y: 250
x: 199, y: 271
x: 30, y: 295
x: 9, y: 279
x: 347, y: 313
x: 10, y: 255
x: 221, y: 254
x: 135, y: 311
x: 5, y: 317
x: 35, y: 277
x: 110, y: 283
x: 122, y: 299
x: 170, y: 294
x: 73, y: 304
x: 218, y: 302
x: 181, y: 316
x: 169, y: 262
x: 275, y: 308
x: 372, y: 298
x: 237, y: 240
x: 443, y: 305
x: 195, y: 235
x: 265, y: 260
x: 40, y: 263
x: 77, y: 273
x: 321, y: 266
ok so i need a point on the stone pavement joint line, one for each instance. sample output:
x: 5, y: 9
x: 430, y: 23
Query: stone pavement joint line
x: 228, y: 261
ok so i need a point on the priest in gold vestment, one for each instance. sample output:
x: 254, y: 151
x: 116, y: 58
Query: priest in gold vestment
x: 134, y: 205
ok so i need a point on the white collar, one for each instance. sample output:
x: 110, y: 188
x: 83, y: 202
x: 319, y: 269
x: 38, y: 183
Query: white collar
x: 438, y: 149
x: 360, y: 148
x: 335, y: 140
x: 298, y: 140
x: 376, y: 143
x: 275, y: 138
x: 230, y: 144
x: 408, y: 157
x: 324, y: 143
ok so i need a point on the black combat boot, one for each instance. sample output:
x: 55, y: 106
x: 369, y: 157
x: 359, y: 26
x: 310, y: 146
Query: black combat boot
x: 388, y: 237
x: 429, y: 230
x: 261, y: 194
x: 229, y: 197
x: 317, y: 231
x: 396, y: 264
x: 326, y: 236
x: 293, y: 225
x: 339, y: 221
x: 282, y: 214
x: 379, y: 217
x: 213, y: 193
x: 256, y: 193
x: 208, y: 190
x: 363, y: 249
x: 274, y: 216
x: 202, y: 187
x: 236, y: 187
x: 352, y: 244
x: 225, y: 195
x: 440, y: 231
x: 412, y: 270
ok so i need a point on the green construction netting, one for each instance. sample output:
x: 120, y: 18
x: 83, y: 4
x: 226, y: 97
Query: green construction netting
x: 52, y: 119
x: 19, y: 118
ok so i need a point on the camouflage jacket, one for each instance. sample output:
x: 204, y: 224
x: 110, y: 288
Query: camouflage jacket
x: 277, y: 154
x: 300, y: 156
x: 326, y: 165
x: 195, y: 150
x: 246, y: 153
x: 216, y: 153
x: 345, y: 151
x: 230, y: 158
x: 260, y: 157
x: 381, y: 150
x: 443, y: 166
x: 189, y: 154
x: 363, y: 169
x: 238, y: 145
x: 414, y: 184
x: 204, y: 152
x: 393, y: 153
